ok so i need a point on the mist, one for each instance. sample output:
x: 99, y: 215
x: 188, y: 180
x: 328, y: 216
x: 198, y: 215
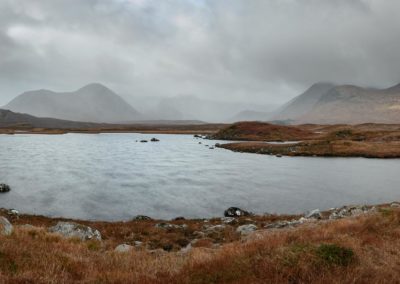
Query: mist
x: 239, y: 54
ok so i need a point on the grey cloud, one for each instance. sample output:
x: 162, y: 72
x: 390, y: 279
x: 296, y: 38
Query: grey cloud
x: 240, y: 50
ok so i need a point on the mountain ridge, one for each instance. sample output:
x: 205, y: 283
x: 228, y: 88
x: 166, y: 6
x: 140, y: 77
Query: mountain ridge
x: 92, y: 103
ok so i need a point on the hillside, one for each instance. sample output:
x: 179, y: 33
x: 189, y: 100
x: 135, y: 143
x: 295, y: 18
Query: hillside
x: 259, y: 131
x: 9, y: 119
x: 303, y: 103
x: 92, y: 103
x: 352, y: 104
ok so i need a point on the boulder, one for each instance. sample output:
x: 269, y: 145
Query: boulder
x: 246, y: 229
x: 209, y: 228
x: 4, y: 188
x: 170, y: 226
x: 395, y: 205
x: 315, y: 214
x: 143, y: 141
x: 141, y: 218
x: 228, y: 220
x: 6, y: 228
x: 235, y: 212
x: 154, y: 140
x: 75, y: 230
x: 123, y: 248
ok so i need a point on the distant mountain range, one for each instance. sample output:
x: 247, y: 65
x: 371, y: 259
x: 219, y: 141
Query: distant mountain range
x: 348, y: 104
x: 92, y: 103
x: 322, y: 103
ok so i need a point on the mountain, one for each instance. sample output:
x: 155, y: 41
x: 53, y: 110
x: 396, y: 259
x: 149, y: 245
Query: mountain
x: 353, y: 105
x: 251, y: 115
x: 92, y: 103
x: 303, y: 103
x: 20, y: 120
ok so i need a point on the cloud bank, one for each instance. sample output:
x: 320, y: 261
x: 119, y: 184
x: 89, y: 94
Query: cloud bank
x: 237, y: 50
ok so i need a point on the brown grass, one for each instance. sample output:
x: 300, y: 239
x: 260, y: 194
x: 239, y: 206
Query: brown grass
x: 314, y: 253
x: 365, y: 140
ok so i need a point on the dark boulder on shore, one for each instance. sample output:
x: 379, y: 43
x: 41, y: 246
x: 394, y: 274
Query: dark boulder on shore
x: 142, y: 218
x: 4, y: 188
x: 235, y: 212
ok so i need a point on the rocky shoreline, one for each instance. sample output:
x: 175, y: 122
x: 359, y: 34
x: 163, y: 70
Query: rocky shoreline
x: 179, y: 234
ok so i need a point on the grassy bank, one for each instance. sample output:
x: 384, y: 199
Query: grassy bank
x: 366, y: 140
x: 360, y: 249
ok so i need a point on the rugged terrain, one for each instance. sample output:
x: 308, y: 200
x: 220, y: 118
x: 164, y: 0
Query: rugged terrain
x: 354, y: 244
x: 325, y: 103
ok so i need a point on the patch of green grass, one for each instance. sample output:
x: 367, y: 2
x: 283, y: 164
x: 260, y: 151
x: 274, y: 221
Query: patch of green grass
x: 332, y: 254
x: 386, y: 212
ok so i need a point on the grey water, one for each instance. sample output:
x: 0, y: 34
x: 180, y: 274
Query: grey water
x: 113, y: 177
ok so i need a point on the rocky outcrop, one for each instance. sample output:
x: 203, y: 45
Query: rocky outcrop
x: 6, y: 228
x: 348, y: 211
x: 235, y: 212
x: 75, y: 230
x: 4, y: 188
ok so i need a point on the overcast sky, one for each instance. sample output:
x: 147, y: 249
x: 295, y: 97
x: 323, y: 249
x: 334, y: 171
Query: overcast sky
x: 259, y: 50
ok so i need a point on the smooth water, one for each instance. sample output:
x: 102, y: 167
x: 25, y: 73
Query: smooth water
x: 112, y: 177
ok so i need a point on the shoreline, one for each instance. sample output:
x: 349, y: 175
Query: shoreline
x: 351, y: 244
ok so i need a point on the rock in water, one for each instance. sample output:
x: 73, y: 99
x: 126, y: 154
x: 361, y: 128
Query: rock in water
x: 246, y: 229
x: 154, y: 140
x: 235, y: 212
x: 75, y: 230
x: 5, y: 227
x: 4, y: 188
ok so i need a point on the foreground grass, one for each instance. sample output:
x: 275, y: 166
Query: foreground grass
x: 364, y: 249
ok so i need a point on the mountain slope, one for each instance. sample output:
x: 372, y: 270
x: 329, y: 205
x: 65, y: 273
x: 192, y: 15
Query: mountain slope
x: 21, y: 120
x: 352, y: 104
x: 93, y: 103
x: 303, y: 103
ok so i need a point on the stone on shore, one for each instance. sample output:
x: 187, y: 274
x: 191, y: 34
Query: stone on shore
x: 235, y: 212
x: 75, y: 230
x: 6, y: 228
x: 123, y: 248
x: 315, y: 214
x: 246, y: 229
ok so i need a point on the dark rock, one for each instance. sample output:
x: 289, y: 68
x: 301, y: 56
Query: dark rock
x: 179, y: 218
x: 141, y: 218
x: 235, y: 212
x: 143, y: 141
x: 154, y: 140
x: 168, y: 247
x: 197, y: 136
x: 4, y: 188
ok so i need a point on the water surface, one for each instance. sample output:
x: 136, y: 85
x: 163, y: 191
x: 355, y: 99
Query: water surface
x: 113, y: 177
